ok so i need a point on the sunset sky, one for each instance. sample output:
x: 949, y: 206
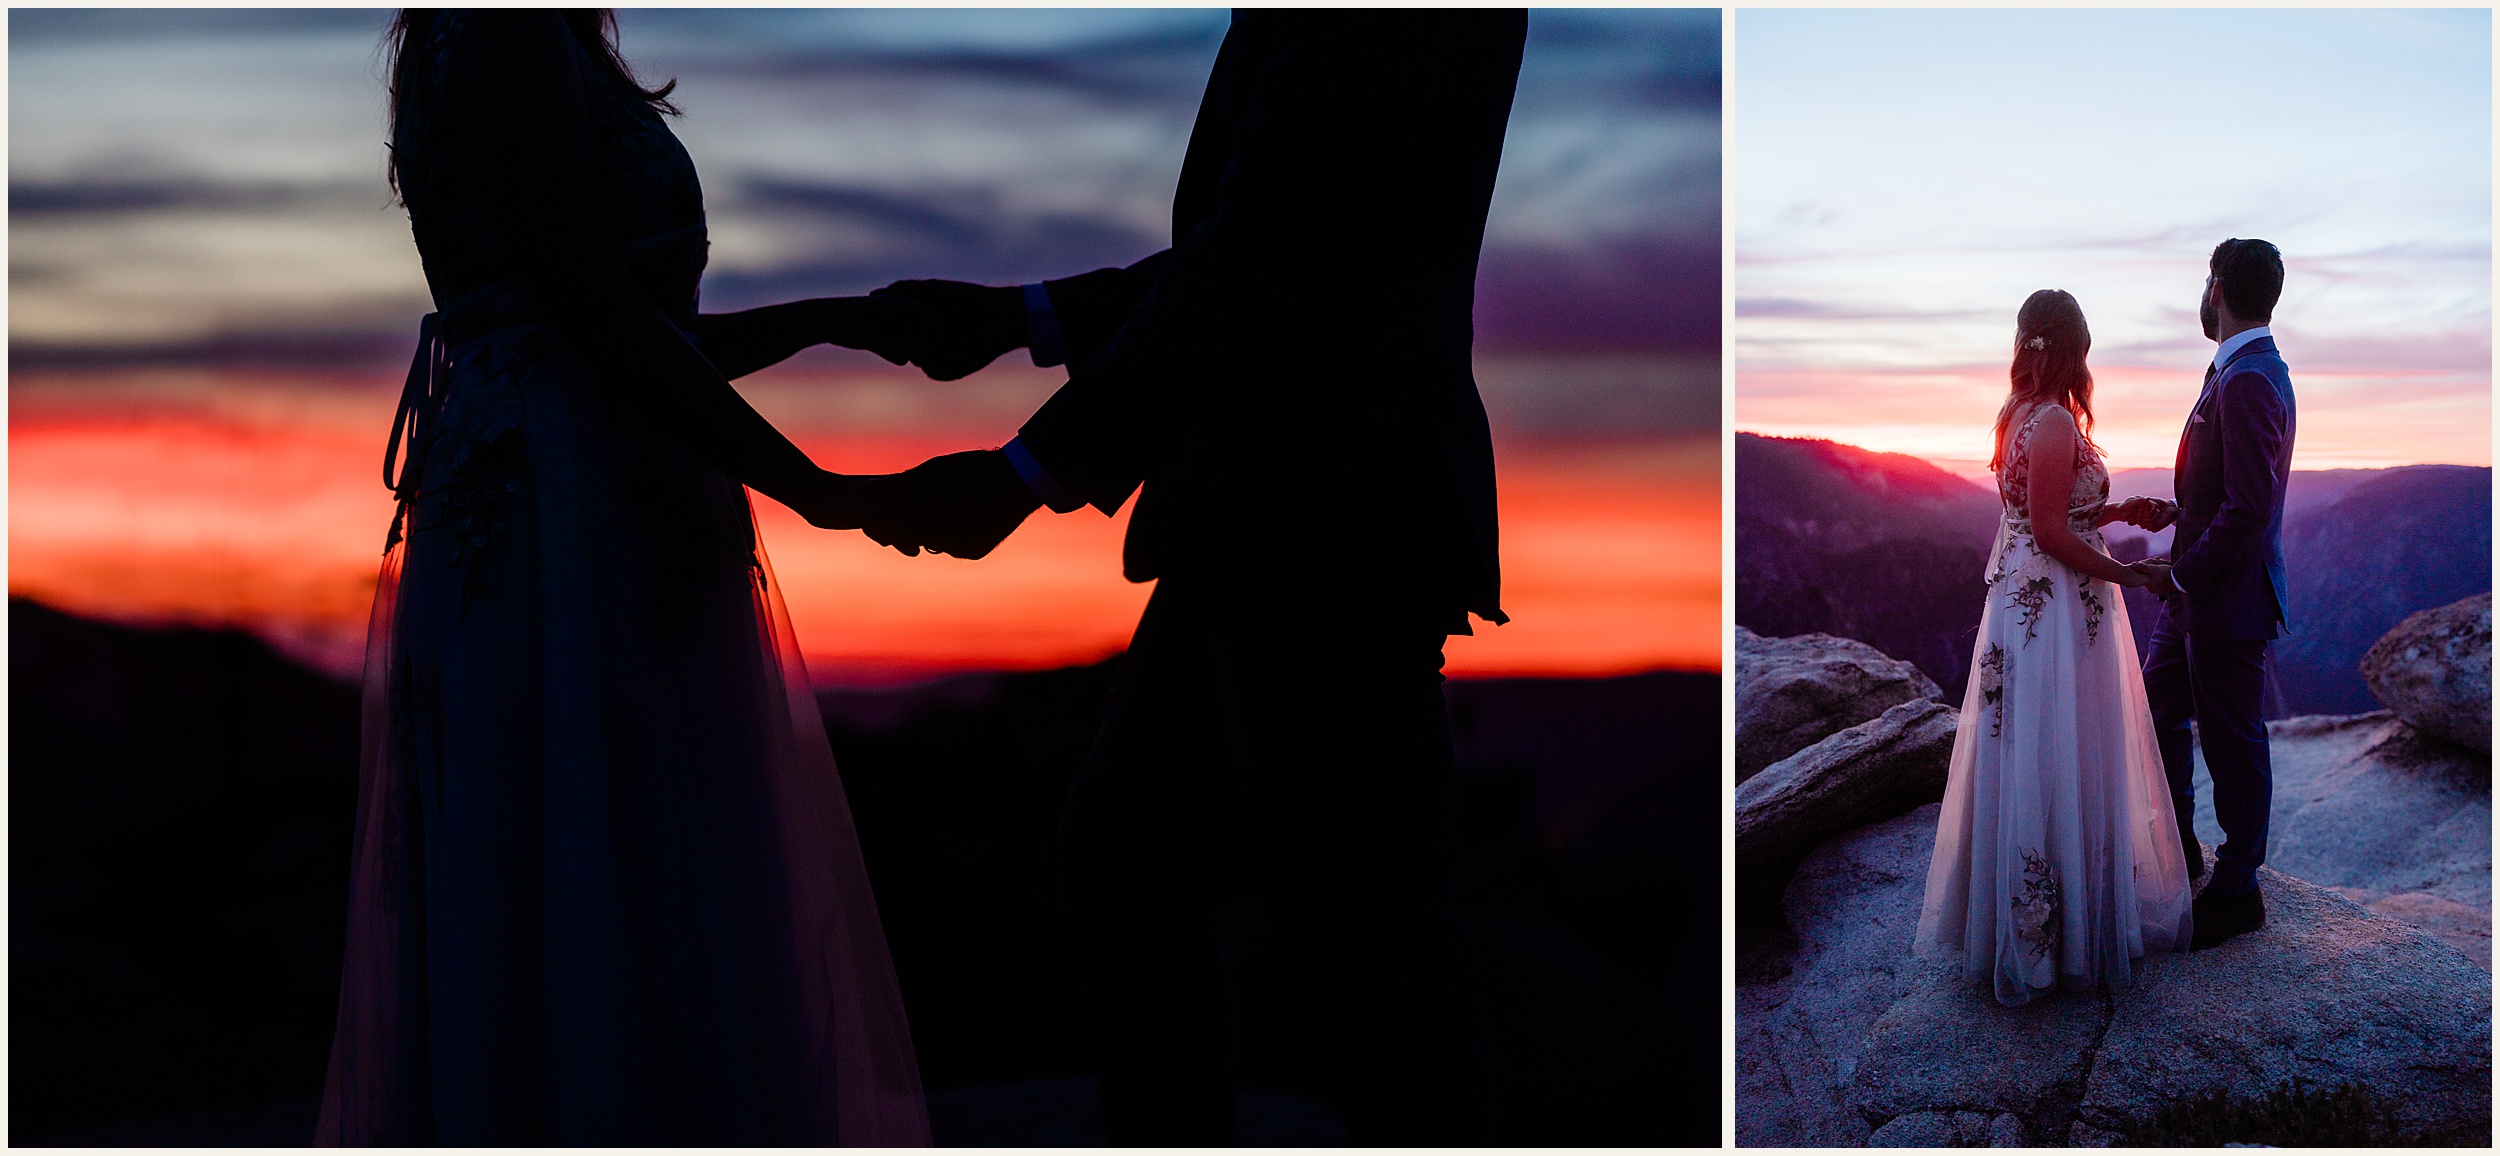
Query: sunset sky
x: 211, y: 300
x: 1901, y: 180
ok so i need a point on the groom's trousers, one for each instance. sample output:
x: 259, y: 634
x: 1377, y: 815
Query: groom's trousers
x: 2219, y: 685
x: 1263, y: 826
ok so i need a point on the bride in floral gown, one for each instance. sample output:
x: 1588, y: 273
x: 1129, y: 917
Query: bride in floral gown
x: 2057, y: 860
x: 605, y: 888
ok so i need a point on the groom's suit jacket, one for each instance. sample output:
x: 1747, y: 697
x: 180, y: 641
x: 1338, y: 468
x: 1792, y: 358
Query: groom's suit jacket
x: 2234, y: 465
x: 1290, y: 383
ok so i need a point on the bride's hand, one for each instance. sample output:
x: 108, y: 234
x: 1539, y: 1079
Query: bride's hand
x: 973, y: 324
x: 838, y: 501
x: 891, y: 326
x: 2141, y: 574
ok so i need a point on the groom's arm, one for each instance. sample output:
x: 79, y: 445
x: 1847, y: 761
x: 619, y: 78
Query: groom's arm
x: 2254, y: 428
x: 1063, y: 322
x: 1083, y: 312
x: 1307, y: 187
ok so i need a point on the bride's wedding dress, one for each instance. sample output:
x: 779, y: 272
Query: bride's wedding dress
x: 2057, y: 860
x: 605, y: 887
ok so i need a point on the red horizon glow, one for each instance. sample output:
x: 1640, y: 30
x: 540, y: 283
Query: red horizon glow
x: 227, y: 497
x: 2349, y: 419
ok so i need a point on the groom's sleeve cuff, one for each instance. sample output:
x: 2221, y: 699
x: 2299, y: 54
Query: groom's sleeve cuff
x: 1045, y: 487
x: 1041, y: 323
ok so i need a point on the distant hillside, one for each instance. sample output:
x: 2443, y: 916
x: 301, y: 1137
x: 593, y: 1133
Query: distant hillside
x: 178, y: 839
x: 1843, y: 498
x: 2406, y: 540
x: 1883, y: 548
x: 2312, y: 490
x: 1889, y: 550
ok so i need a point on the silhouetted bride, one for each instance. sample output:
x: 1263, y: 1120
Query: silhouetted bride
x: 606, y: 889
x: 2057, y: 860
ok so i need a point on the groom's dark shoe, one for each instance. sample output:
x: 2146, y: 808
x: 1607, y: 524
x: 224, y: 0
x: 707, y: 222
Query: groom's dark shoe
x: 2219, y: 918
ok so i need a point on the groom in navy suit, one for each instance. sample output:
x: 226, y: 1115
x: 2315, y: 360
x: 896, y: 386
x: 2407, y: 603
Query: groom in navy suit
x: 2223, y: 599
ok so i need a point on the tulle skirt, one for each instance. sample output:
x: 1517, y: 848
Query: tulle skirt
x: 2057, y: 860
x: 605, y: 886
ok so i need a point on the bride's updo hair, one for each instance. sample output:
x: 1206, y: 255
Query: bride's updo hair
x: 2050, y: 342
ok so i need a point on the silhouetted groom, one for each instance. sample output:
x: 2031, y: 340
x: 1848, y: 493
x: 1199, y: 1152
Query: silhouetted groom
x: 1288, y: 390
x: 2223, y: 600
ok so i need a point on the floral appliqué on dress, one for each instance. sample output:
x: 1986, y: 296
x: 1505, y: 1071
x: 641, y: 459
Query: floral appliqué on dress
x: 476, y: 459
x: 1992, y: 687
x: 2092, y: 611
x: 2035, y: 910
x: 2032, y: 597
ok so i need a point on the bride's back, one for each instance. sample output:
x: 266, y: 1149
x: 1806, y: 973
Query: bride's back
x: 648, y: 179
x: 2091, y: 489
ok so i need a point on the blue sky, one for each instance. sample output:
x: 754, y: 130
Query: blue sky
x: 182, y: 179
x: 1901, y: 180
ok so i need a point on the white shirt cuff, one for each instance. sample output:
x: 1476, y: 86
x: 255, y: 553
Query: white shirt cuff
x: 1047, y: 488
x: 1041, y: 323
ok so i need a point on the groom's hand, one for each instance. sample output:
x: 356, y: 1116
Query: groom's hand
x: 974, y: 324
x: 962, y: 504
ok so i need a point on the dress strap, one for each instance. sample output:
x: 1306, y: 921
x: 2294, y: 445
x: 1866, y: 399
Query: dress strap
x: 416, y: 407
x: 2022, y: 437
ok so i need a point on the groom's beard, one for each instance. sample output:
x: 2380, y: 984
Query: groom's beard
x: 2205, y: 314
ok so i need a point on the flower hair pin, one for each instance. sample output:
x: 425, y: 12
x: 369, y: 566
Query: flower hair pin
x: 2037, y: 343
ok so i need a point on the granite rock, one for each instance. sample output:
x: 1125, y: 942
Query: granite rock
x: 1792, y: 693
x: 2434, y: 671
x: 2327, y: 992
x: 1859, y: 1042
x: 1801, y: 1027
x: 2388, y: 817
x: 1869, y: 772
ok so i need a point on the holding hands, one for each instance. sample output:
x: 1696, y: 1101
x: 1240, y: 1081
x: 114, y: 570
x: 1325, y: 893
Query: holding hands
x: 947, y: 328
x: 2157, y: 577
x: 2144, y: 513
x: 893, y: 328
x: 969, y: 325
x: 2152, y: 572
x: 962, y: 504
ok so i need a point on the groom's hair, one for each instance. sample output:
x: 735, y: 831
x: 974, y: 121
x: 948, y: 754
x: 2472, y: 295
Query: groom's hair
x: 2250, y: 273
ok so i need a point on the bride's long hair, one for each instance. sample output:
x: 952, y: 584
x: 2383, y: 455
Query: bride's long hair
x: 595, y: 28
x: 2050, y: 343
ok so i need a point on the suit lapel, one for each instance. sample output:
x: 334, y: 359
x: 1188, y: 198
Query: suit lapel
x: 2178, y: 464
x: 2213, y: 374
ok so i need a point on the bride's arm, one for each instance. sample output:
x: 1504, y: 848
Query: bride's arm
x: 740, y: 343
x: 2052, y: 453
x: 516, y: 92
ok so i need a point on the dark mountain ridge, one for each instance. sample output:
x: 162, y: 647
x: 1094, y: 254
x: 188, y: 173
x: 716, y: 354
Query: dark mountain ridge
x: 1889, y: 550
x: 180, y: 806
x: 1883, y: 548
